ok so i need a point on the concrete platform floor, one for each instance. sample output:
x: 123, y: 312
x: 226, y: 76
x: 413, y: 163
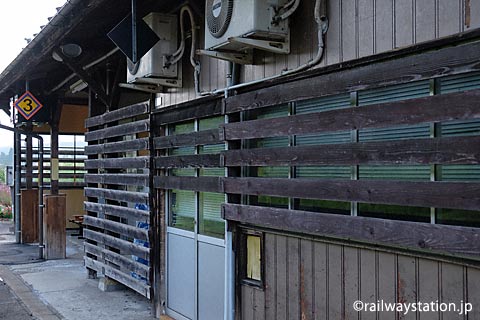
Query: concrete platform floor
x: 60, y: 289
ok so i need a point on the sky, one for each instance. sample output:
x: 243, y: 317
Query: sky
x: 20, y: 19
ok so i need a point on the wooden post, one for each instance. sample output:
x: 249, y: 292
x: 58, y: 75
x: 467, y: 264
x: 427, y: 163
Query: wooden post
x: 54, y: 130
x: 29, y: 158
x: 29, y: 215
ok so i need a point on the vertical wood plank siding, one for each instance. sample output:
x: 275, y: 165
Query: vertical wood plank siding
x: 323, y: 280
x: 357, y: 29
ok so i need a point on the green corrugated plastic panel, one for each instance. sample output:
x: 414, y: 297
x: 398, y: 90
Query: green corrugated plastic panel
x: 394, y: 93
x: 210, y: 204
x: 183, y: 172
x: 273, y: 112
x: 179, y: 128
x: 182, y: 151
x: 211, y: 148
x: 396, y: 133
x: 456, y: 172
x: 394, y: 172
x: 324, y: 138
x: 273, y: 172
x: 212, y: 172
x: 184, y: 203
x: 459, y: 83
x: 274, y: 142
x: 210, y: 123
x: 330, y: 172
x: 323, y: 104
x: 461, y: 128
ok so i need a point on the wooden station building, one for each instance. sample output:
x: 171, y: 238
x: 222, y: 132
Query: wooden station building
x: 328, y: 154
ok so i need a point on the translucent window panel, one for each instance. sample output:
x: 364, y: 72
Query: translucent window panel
x: 393, y: 212
x: 210, y: 123
x: 457, y: 172
x: 410, y: 173
x: 184, y: 127
x: 254, y: 258
x: 183, y: 172
x: 323, y: 104
x: 324, y: 138
x: 182, y: 209
x: 460, y: 128
x: 458, y: 217
x: 394, y: 93
x: 325, y: 206
x: 324, y: 172
x: 212, y: 172
x: 460, y: 82
x: 210, y: 220
x: 211, y: 148
x: 396, y: 133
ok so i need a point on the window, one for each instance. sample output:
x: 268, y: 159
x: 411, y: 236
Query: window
x: 252, y: 258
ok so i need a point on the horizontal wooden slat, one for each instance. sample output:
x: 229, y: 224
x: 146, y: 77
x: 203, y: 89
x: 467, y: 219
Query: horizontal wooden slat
x: 119, y: 276
x: 187, y: 139
x: 120, y: 179
x: 440, y: 238
x: 122, y: 113
x: 118, y: 163
x: 446, y: 107
x: 198, y: 108
x: 118, y: 195
x: 119, y: 130
x: 452, y: 150
x: 206, y: 184
x: 189, y: 161
x: 426, y: 65
x: 120, y: 228
x: 122, y: 146
x: 117, y: 211
x: 453, y: 195
x: 125, y: 246
x: 123, y: 262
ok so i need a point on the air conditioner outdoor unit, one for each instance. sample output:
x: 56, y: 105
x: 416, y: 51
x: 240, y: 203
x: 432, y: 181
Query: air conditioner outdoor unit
x: 238, y: 25
x: 150, y: 69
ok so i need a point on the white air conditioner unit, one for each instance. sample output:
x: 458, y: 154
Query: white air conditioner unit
x: 150, y: 69
x: 240, y: 25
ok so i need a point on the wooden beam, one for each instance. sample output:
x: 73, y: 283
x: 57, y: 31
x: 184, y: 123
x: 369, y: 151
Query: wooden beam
x: 119, y: 114
x: 451, y: 195
x: 118, y: 195
x: 117, y: 211
x: 122, y: 146
x: 188, y: 139
x: 420, y: 236
x: 125, y: 246
x: 117, y: 227
x: 195, y: 109
x: 445, y: 107
x: 85, y: 76
x: 445, y: 61
x: 189, y: 161
x: 451, y: 150
x: 118, y: 163
x: 119, y: 130
x: 118, y: 179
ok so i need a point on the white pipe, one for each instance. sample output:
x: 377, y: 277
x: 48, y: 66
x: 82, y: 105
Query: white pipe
x: 294, y: 5
x: 322, y: 26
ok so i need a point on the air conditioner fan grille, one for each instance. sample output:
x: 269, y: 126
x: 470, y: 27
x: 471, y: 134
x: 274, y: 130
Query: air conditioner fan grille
x: 219, y: 14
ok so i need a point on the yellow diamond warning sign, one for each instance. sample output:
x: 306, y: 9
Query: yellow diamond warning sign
x: 27, y: 105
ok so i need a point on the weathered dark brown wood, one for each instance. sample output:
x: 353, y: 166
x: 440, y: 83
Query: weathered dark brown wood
x: 120, y: 228
x: 198, y: 108
x: 189, y: 161
x: 446, y: 107
x: 206, y: 184
x: 454, y: 195
x: 118, y: 195
x: 122, y: 261
x: 451, y: 150
x: 113, y: 147
x: 119, y: 130
x: 119, y: 276
x: 125, y: 246
x: 118, y: 163
x: 423, y: 236
x: 119, y: 179
x: 117, y: 211
x: 445, y: 61
x: 119, y: 114
x: 188, y: 139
